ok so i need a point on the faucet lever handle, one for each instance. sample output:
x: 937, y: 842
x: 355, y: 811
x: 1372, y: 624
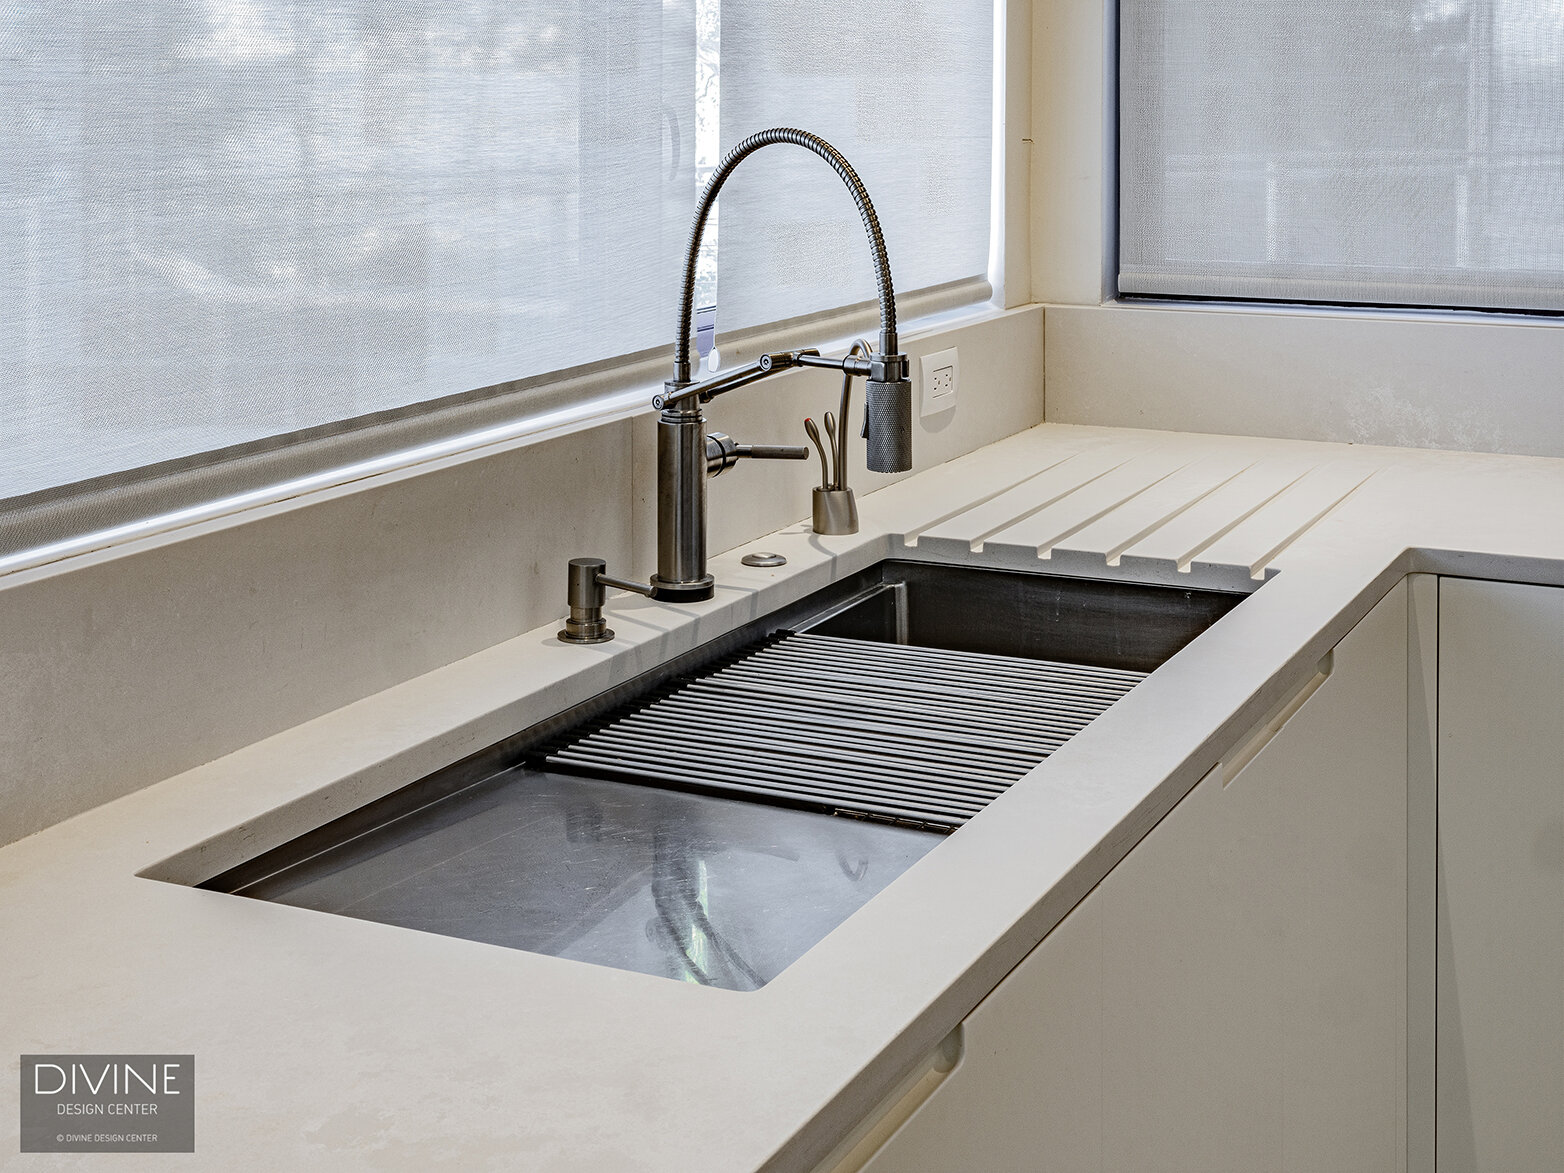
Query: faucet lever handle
x: 723, y: 452
x: 774, y: 451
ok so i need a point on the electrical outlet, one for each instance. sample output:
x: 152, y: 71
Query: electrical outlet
x: 941, y: 380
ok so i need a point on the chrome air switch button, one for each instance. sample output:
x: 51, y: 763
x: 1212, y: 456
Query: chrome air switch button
x: 763, y: 558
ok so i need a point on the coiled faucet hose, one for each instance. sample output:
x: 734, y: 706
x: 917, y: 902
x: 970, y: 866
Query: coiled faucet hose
x: 708, y: 196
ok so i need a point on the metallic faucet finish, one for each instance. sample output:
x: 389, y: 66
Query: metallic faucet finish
x: 687, y: 455
x: 708, y: 197
x: 681, y: 529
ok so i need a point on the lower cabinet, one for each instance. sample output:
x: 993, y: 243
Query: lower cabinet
x: 1343, y: 950
x: 1500, y: 934
x: 1232, y: 996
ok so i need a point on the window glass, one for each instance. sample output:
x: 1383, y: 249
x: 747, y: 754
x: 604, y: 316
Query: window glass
x: 915, y: 123
x: 230, y: 219
x: 1403, y: 152
x: 232, y: 225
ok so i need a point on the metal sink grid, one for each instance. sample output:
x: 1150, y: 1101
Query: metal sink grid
x: 921, y: 737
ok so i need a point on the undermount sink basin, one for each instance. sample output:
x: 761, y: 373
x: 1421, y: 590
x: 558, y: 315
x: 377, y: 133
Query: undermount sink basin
x: 689, y: 823
x: 1106, y: 624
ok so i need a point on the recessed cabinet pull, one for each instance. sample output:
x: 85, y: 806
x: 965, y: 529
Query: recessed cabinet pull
x: 892, y: 1112
x: 1234, y: 763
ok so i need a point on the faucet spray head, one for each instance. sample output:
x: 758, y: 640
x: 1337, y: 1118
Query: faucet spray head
x: 887, y: 416
x: 888, y: 425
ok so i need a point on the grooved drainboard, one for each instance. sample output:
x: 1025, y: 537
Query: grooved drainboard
x: 922, y: 737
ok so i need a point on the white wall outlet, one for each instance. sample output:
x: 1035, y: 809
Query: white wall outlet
x: 941, y: 379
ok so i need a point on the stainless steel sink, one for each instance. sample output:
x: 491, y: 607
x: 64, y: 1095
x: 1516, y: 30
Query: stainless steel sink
x: 1104, y: 623
x: 700, y: 889
x: 689, y: 823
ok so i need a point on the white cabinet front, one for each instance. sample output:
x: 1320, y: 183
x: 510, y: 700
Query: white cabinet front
x: 1233, y: 995
x: 1500, y: 1049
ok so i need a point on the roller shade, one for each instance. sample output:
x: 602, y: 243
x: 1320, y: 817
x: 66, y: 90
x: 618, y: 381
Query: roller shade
x: 236, y: 219
x: 1362, y: 151
x: 903, y: 89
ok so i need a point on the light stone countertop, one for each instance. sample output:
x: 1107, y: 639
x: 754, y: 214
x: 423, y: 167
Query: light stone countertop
x: 324, y: 1042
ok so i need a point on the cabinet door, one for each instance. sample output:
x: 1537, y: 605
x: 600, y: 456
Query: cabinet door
x: 1026, y: 1095
x: 1233, y: 995
x: 1500, y: 1035
x: 1255, y: 945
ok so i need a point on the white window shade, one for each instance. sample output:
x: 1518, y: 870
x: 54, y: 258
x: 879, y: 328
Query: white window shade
x: 904, y: 90
x: 226, y: 220
x: 1405, y: 152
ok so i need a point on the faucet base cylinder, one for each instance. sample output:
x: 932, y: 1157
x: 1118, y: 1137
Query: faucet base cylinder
x: 695, y: 591
x: 681, y: 503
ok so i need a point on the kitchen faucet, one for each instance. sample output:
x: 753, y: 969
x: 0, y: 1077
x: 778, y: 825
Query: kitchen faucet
x: 687, y: 454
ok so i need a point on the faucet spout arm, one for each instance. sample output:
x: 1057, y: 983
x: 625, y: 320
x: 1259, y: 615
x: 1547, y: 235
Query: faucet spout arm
x: 708, y: 197
x: 705, y: 391
x: 853, y: 364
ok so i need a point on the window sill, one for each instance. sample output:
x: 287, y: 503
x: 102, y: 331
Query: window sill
x: 1472, y: 317
x: 119, y: 513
